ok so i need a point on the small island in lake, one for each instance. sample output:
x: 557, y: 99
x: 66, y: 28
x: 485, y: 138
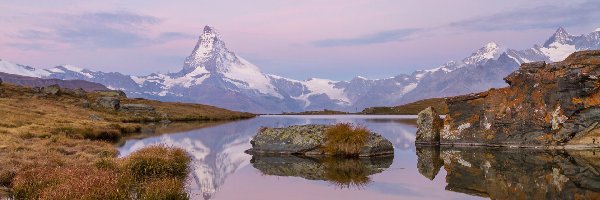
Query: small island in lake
x: 312, y: 140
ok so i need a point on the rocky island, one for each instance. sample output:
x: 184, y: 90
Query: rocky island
x: 554, y: 105
x: 314, y: 140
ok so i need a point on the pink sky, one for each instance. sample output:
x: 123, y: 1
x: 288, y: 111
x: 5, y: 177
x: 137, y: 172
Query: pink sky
x: 336, y: 39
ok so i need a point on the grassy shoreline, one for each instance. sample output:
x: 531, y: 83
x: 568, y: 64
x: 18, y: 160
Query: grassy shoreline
x: 65, y: 130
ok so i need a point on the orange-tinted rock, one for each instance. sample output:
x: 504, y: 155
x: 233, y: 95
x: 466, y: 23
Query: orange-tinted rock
x: 544, y: 105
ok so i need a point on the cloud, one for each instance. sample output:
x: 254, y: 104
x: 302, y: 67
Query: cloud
x: 541, y: 17
x: 98, y: 30
x: 381, y: 37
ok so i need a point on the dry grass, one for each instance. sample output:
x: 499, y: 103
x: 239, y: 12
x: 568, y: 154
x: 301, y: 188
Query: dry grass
x: 109, y: 178
x: 411, y: 108
x: 56, y: 131
x: 345, y: 139
x: 144, y: 164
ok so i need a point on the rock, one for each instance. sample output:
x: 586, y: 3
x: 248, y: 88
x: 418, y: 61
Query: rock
x: 79, y: 92
x: 308, y: 140
x: 429, y: 125
x: 112, y: 103
x: 554, y: 104
x: 0, y: 81
x: 95, y: 117
x: 85, y: 103
x: 137, y: 108
x: 51, y: 89
x: 111, y: 93
x: 74, y: 92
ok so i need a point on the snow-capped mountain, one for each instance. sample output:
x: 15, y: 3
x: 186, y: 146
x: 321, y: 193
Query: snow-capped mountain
x: 212, y: 74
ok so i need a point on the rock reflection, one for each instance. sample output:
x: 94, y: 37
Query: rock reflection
x: 429, y: 161
x: 341, y: 172
x: 518, y: 173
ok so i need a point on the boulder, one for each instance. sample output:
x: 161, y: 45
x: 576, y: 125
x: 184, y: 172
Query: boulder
x: 429, y: 125
x: 85, y: 103
x: 74, y: 92
x: 545, y: 105
x: 112, y: 103
x: 308, y: 140
x: 51, y: 89
x: 137, y: 108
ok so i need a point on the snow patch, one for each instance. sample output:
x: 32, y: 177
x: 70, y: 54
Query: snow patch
x: 558, y: 51
x: 323, y: 86
x: 409, y: 87
x: 248, y: 73
x: 137, y: 79
x: 10, y: 68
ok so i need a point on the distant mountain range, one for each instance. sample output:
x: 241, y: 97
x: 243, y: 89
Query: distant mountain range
x: 42, y: 82
x: 214, y: 75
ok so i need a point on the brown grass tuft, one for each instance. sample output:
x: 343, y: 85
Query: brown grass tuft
x: 345, y: 139
x: 158, y: 162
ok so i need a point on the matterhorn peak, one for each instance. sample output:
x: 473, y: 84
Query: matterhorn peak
x: 210, y: 52
x: 489, y: 51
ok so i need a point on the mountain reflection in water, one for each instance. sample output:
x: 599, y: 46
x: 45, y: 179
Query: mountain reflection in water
x: 221, y: 169
x: 218, y: 151
x: 500, y: 173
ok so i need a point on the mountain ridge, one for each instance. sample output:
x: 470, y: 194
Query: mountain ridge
x: 214, y: 75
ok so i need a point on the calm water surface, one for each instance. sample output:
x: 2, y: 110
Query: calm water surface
x: 221, y: 169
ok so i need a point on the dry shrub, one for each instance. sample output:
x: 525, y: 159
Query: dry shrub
x: 165, y: 188
x: 158, y: 162
x: 345, y: 139
x: 74, y: 182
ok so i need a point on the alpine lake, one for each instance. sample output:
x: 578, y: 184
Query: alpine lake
x: 221, y: 170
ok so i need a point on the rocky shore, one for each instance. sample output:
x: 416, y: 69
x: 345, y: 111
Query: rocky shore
x: 309, y: 140
x: 548, y: 105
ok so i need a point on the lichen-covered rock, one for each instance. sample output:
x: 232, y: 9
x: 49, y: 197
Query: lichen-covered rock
x: 51, y: 89
x: 112, y: 103
x: 544, y: 105
x: 308, y: 140
x: 429, y: 125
